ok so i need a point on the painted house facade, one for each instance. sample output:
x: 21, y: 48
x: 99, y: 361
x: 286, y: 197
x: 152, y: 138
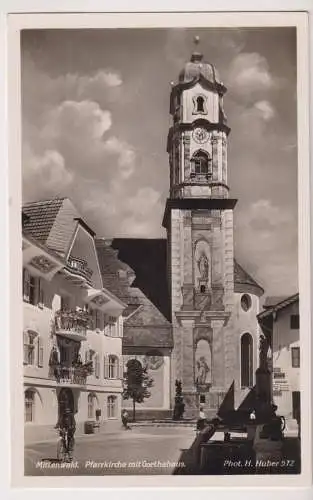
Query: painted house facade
x: 280, y: 324
x: 73, y: 325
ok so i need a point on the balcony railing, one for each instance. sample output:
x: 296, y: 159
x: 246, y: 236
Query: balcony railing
x: 79, y: 268
x: 72, y: 323
x: 70, y: 374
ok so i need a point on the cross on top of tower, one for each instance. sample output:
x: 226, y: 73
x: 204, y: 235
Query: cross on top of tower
x: 196, y: 56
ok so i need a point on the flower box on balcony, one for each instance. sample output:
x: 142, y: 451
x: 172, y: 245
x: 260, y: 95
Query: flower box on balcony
x: 68, y: 374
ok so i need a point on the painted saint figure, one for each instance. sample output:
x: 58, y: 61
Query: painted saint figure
x: 203, y: 265
x: 202, y: 371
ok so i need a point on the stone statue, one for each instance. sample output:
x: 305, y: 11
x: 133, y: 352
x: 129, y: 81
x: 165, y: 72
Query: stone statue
x: 203, y: 265
x: 202, y: 371
x: 264, y: 347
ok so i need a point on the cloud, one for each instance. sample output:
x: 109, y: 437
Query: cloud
x: 78, y: 131
x: 262, y: 214
x: 268, y: 245
x: 249, y: 73
x: 83, y: 120
x: 135, y: 215
x: 266, y: 110
x: 46, y: 171
x: 145, y: 200
x: 143, y: 211
x: 126, y: 155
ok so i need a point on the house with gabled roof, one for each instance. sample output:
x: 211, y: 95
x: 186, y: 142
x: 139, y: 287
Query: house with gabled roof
x: 73, y: 324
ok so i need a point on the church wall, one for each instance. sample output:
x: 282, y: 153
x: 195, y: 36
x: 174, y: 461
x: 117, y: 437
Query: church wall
x: 239, y: 323
x: 159, y: 371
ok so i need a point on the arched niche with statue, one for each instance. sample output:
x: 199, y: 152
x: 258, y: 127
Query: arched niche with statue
x: 203, y: 363
x: 202, y: 266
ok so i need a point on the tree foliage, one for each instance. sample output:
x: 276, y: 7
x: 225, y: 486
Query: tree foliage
x: 137, y: 383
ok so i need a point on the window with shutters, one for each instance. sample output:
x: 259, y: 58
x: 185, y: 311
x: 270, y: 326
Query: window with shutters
x: 65, y: 303
x: 98, y: 318
x: 295, y: 357
x: 106, y: 366
x: 97, y: 366
x: 121, y: 368
x: 33, y: 291
x: 111, y: 327
x: 29, y: 347
x: 26, y: 285
x: 91, y: 405
x: 40, y: 352
x: 113, y: 366
x: 112, y: 406
x: 295, y: 322
x: 29, y: 405
x: 40, y: 292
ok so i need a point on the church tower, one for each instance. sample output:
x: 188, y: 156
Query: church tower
x: 199, y: 222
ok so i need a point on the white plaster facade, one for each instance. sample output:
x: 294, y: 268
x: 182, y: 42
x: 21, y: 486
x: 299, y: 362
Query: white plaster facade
x: 56, y: 349
x: 280, y: 324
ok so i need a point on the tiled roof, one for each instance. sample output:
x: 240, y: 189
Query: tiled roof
x: 141, y: 336
x: 273, y: 300
x: 52, y: 223
x: 241, y: 277
x: 40, y: 217
x: 281, y: 304
x: 146, y: 325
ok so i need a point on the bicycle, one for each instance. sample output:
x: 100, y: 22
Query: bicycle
x: 65, y: 446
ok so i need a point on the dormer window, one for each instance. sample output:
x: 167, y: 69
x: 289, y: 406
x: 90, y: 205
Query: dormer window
x: 201, y: 164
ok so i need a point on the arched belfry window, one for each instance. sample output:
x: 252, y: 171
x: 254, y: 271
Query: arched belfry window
x: 200, y: 104
x: 201, y: 164
x: 246, y: 353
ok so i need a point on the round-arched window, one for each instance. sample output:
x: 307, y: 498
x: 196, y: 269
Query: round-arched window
x: 246, y: 302
x: 246, y: 351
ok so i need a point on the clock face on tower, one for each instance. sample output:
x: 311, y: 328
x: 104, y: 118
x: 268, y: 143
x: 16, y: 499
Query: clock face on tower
x: 200, y: 135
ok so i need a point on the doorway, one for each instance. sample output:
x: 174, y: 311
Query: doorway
x: 65, y: 402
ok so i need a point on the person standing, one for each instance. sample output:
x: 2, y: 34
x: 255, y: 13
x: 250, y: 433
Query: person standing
x: 67, y: 428
x: 201, y: 419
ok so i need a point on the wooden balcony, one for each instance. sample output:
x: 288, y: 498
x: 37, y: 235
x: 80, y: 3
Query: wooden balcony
x: 72, y: 324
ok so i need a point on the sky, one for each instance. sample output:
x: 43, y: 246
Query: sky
x: 95, y: 118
